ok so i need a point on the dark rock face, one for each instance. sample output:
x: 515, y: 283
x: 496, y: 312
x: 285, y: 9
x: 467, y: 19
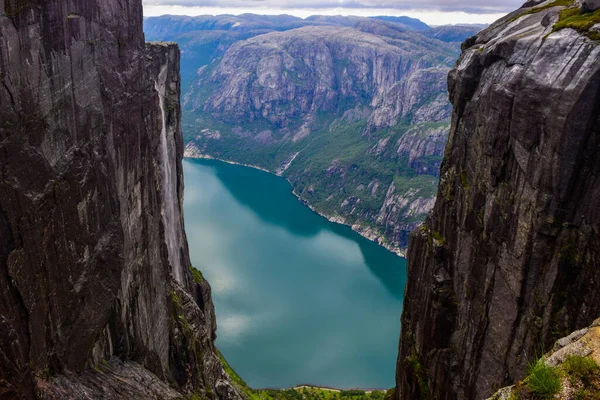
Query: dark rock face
x: 591, y: 5
x: 508, y: 260
x: 88, y: 273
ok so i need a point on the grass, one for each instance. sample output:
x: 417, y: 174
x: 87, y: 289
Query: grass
x: 542, y: 380
x: 197, y: 275
x: 14, y: 8
x: 305, y: 393
x: 557, y: 3
x: 421, y: 374
x: 581, y: 369
x: 574, y: 18
x: 438, y: 237
x: 577, y: 375
x: 464, y: 180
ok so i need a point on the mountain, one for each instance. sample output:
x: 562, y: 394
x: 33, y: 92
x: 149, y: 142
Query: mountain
x: 172, y: 25
x: 453, y: 33
x: 98, y: 296
x: 413, y: 23
x: 352, y: 111
x: 508, y: 260
x: 205, y: 39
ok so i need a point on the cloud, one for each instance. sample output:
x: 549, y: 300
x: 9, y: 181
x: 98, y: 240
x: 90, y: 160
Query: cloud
x: 468, y: 6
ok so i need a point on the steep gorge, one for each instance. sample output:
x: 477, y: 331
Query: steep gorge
x: 508, y: 260
x: 97, y: 298
x: 97, y: 295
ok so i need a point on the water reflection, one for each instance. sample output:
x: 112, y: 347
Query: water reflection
x: 298, y: 299
x: 269, y: 198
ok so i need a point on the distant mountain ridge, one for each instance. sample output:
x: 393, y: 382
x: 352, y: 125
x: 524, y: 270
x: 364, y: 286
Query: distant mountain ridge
x: 206, y: 38
x: 416, y: 24
x: 246, y: 22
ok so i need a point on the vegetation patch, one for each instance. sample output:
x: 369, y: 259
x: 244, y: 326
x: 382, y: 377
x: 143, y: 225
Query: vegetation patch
x: 542, y: 380
x: 557, y: 3
x: 420, y: 372
x: 583, y: 370
x: 582, y: 22
x: 300, y: 392
x: 578, y: 378
x: 13, y: 8
x: 438, y: 237
x: 314, y: 393
x: 197, y: 275
x: 464, y: 180
x: 196, y: 396
x: 177, y: 303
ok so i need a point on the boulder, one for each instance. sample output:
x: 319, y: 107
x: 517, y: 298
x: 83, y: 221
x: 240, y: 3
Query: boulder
x: 591, y: 5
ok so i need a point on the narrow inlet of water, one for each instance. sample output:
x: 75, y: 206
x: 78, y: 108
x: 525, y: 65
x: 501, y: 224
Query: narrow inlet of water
x: 299, y: 300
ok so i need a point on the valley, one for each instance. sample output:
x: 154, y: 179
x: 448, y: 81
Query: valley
x: 104, y: 293
x: 353, y: 112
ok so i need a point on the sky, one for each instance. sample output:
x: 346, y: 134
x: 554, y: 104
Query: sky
x: 433, y: 12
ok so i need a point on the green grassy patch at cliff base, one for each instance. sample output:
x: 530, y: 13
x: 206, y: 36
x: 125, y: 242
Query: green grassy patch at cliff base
x: 302, y: 392
x: 578, y: 378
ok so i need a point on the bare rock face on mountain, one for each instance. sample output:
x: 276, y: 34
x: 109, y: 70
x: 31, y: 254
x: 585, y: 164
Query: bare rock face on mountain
x: 508, y: 260
x: 98, y: 300
x: 289, y: 76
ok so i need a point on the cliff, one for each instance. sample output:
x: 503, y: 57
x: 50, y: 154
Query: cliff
x: 355, y: 117
x: 507, y: 262
x: 97, y: 295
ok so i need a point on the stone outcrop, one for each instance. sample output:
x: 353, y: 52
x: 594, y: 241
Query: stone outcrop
x: 591, y: 5
x: 508, y: 260
x: 97, y: 298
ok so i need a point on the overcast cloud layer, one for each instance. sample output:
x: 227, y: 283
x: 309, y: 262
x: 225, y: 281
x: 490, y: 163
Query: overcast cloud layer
x: 468, y: 6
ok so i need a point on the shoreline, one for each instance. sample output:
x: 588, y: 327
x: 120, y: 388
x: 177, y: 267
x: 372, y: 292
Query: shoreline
x: 326, y: 388
x: 362, y: 231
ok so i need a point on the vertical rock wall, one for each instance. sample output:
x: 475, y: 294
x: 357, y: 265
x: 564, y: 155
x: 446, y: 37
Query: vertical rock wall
x: 163, y: 65
x: 93, y: 276
x: 509, y: 259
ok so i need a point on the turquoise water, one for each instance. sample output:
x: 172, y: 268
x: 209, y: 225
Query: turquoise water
x: 299, y: 300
